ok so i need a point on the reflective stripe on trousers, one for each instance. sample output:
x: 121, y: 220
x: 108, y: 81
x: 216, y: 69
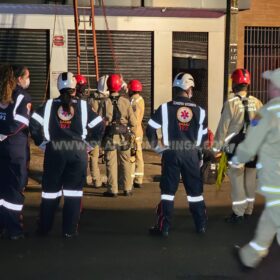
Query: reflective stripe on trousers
x: 67, y: 193
x: 11, y: 206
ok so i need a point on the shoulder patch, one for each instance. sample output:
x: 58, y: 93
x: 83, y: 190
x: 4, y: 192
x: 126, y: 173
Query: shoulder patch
x: 65, y: 116
x: 255, y: 121
x: 184, y: 115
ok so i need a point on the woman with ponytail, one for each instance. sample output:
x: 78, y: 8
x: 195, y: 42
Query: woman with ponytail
x: 15, y: 104
x: 61, y: 127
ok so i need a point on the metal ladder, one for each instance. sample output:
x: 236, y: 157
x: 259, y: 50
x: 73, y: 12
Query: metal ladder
x: 81, y: 60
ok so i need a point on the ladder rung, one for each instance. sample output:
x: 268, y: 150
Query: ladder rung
x: 86, y: 48
x: 87, y: 61
x: 85, y: 34
x: 84, y: 7
x: 89, y: 75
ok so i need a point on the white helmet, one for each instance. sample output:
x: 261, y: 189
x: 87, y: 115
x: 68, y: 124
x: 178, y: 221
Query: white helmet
x: 183, y: 81
x: 66, y: 80
x: 102, y: 85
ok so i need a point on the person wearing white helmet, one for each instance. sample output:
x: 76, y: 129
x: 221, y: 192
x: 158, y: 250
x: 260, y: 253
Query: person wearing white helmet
x: 184, y: 131
x: 185, y: 82
x: 62, y: 127
x: 101, y: 105
x: 263, y: 140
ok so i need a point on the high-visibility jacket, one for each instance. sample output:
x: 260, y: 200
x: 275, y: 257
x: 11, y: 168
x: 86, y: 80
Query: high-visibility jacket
x: 263, y: 139
x: 232, y: 118
x: 138, y: 106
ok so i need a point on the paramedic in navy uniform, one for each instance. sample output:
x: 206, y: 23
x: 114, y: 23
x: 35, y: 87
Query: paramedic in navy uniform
x: 62, y: 126
x: 184, y: 131
x: 15, y: 105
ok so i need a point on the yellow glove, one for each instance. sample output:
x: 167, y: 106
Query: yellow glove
x: 221, y: 171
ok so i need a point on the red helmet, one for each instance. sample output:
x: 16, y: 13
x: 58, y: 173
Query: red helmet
x: 135, y: 85
x: 81, y: 80
x: 114, y: 83
x: 241, y: 76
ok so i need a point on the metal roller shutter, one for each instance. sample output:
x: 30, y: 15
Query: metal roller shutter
x: 190, y: 44
x: 29, y: 48
x: 134, y: 55
x: 190, y: 54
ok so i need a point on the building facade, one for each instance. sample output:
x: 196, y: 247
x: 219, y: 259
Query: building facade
x: 151, y: 43
x: 259, y: 42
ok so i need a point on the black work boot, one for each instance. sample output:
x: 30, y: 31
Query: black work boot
x: 156, y: 231
x: 2, y: 233
x: 137, y: 185
x: 71, y: 235
x: 234, y: 219
x: 163, y: 219
x: 247, y: 217
x: 198, y: 211
x: 127, y: 193
x: 202, y: 229
x: 110, y: 194
x: 18, y: 236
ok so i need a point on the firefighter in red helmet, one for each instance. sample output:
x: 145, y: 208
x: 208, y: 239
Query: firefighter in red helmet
x: 237, y: 114
x: 138, y: 106
x: 81, y: 87
x: 118, y: 140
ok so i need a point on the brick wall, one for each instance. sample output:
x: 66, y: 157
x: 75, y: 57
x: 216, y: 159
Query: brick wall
x: 262, y: 13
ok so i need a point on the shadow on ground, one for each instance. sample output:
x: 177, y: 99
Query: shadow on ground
x: 114, y: 244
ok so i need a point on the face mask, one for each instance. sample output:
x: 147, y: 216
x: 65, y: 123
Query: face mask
x: 27, y: 83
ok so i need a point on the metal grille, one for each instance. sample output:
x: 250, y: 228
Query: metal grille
x: 134, y: 54
x: 29, y: 48
x: 190, y: 54
x: 262, y: 52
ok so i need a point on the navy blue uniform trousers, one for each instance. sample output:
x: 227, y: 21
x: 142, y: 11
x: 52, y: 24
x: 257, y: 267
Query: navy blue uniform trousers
x: 13, y: 179
x: 186, y: 164
x: 65, y: 169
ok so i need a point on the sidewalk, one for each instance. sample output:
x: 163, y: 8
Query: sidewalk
x: 151, y: 159
x: 213, y: 198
